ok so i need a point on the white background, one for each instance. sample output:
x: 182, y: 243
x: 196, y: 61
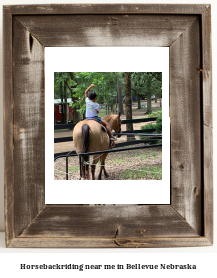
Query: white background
x: 205, y: 257
x: 139, y: 59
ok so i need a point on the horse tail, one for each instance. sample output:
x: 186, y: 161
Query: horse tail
x: 85, y: 140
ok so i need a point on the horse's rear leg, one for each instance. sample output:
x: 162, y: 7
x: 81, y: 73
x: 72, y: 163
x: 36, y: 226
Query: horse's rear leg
x: 82, y: 171
x: 85, y: 169
x: 93, y: 167
x: 102, y: 167
x: 105, y: 173
x: 100, y: 173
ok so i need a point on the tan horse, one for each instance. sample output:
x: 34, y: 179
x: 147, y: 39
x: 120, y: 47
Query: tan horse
x: 90, y: 136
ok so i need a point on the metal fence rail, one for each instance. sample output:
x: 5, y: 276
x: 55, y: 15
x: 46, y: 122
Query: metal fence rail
x: 153, y: 137
x: 70, y: 154
x: 70, y: 126
x: 134, y: 132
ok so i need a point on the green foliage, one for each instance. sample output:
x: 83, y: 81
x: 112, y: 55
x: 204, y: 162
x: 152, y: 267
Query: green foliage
x: 157, y: 125
x: 155, y: 114
x: 74, y: 84
x: 146, y: 82
x: 148, y: 126
x: 105, y: 86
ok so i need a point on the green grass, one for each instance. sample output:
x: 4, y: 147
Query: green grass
x: 119, y: 160
x: 154, y: 171
x: 74, y: 169
x: 142, y: 155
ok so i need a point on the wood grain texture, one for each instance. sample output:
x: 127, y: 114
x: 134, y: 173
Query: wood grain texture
x: 207, y: 66
x: 106, y: 9
x: 109, y: 222
x: 70, y: 242
x: 208, y: 182
x: 8, y: 125
x: 29, y: 130
x: 186, y: 30
x: 185, y: 105
x: 107, y: 30
x: 207, y: 122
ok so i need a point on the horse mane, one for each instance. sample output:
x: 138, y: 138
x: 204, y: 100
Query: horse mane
x: 107, y: 118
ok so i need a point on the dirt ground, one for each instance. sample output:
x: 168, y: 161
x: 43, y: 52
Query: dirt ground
x: 142, y: 164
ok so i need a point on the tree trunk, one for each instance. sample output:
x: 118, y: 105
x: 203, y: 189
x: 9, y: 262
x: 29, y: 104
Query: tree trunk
x: 112, y: 107
x: 62, y: 106
x: 66, y: 106
x: 155, y: 98
x: 120, y: 98
x: 138, y: 99
x: 128, y: 103
x: 149, y: 110
x: 76, y: 116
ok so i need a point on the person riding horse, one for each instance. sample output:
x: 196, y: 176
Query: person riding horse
x: 89, y: 136
x: 92, y: 109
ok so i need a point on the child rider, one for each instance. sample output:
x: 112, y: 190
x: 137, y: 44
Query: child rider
x: 92, y: 109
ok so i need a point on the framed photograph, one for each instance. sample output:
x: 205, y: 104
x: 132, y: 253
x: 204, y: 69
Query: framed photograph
x: 129, y: 159
x: 184, y: 32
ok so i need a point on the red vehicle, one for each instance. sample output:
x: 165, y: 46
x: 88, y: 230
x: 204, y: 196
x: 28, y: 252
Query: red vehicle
x: 59, y: 109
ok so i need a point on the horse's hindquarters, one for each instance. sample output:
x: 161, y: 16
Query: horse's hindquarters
x: 89, y: 137
x: 98, y: 138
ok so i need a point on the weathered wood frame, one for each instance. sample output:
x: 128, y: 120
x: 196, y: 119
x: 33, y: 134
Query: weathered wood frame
x: 186, y: 29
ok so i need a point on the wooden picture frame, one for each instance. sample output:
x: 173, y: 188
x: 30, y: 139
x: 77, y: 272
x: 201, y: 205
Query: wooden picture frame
x: 186, y: 30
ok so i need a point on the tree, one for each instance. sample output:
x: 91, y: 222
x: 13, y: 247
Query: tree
x: 157, y: 87
x: 71, y: 85
x: 153, y: 80
x: 128, y: 103
x: 64, y: 83
x: 105, y: 87
x: 109, y: 87
x: 120, y: 97
x: 138, y: 85
x: 60, y: 92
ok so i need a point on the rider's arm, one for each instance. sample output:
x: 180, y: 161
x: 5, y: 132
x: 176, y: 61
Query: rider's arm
x: 87, y: 90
